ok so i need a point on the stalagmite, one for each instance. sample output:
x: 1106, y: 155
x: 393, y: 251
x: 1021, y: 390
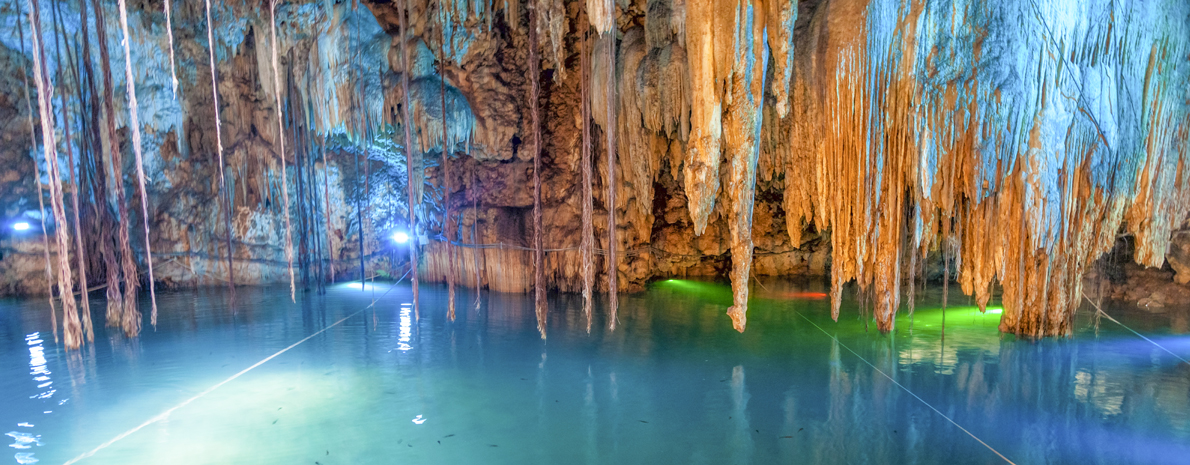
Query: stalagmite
x: 281, y: 144
x: 45, y: 245
x: 72, y: 333
x: 538, y: 254
x: 134, y: 126
x: 588, y: 238
x: 223, y: 194
x: 80, y: 254
x: 406, y: 123
x: 447, y: 147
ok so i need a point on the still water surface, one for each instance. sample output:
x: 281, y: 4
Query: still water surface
x: 672, y: 384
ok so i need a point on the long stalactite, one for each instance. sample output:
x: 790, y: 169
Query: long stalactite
x: 604, y: 22
x: 134, y: 127
x: 447, y: 148
x: 45, y: 245
x: 108, y: 229
x: 169, y: 32
x: 72, y: 332
x: 414, y: 199
x: 224, y: 195
x: 80, y: 251
x: 281, y: 145
x: 588, y: 238
x: 538, y: 254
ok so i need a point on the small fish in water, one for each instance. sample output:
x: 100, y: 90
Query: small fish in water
x: 439, y: 442
x: 492, y: 445
x: 800, y: 429
x: 786, y: 437
x: 275, y: 421
x: 448, y: 436
x: 642, y: 421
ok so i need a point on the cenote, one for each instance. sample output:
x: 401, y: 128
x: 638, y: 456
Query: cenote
x: 361, y: 383
x: 595, y: 231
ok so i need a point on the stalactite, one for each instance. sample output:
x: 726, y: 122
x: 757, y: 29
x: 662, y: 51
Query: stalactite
x: 538, y: 254
x: 406, y: 123
x: 610, y: 134
x: 107, y: 224
x: 169, y: 31
x: 475, y: 236
x: 742, y: 124
x: 134, y: 126
x: 80, y: 254
x: 326, y: 195
x: 602, y: 15
x: 45, y: 245
x: 281, y: 144
x: 709, y: 30
x: 780, y: 17
x: 224, y: 196
x: 551, y: 20
x: 588, y: 238
x: 37, y: 171
x: 355, y: 104
x: 72, y: 332
x: 447, y: 148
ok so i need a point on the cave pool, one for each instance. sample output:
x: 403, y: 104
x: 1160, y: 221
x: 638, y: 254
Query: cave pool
x: 673, y: 383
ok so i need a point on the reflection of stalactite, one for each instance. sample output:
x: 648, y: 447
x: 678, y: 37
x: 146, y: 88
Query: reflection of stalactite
x: 134, y: 126
x: 45, y: 245
x: 538, y: 254
x: 80, y: 253
x: 281, y: 144
x: 72, y: 333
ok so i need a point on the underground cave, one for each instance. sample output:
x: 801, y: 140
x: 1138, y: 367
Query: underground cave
x: 595, y: 231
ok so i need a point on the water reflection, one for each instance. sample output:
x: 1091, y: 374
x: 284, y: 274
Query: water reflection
x: 25, y: 439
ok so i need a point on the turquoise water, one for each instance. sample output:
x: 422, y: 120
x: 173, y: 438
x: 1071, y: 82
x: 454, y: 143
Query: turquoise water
x: 672, y: 384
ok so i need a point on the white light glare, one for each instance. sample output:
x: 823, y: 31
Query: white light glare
x: 22, y: 226
x: 400, y: 237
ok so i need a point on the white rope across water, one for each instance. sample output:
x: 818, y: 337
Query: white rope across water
x: 1142, y: 336
x: 165, y: 414
x: 915, y: 396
